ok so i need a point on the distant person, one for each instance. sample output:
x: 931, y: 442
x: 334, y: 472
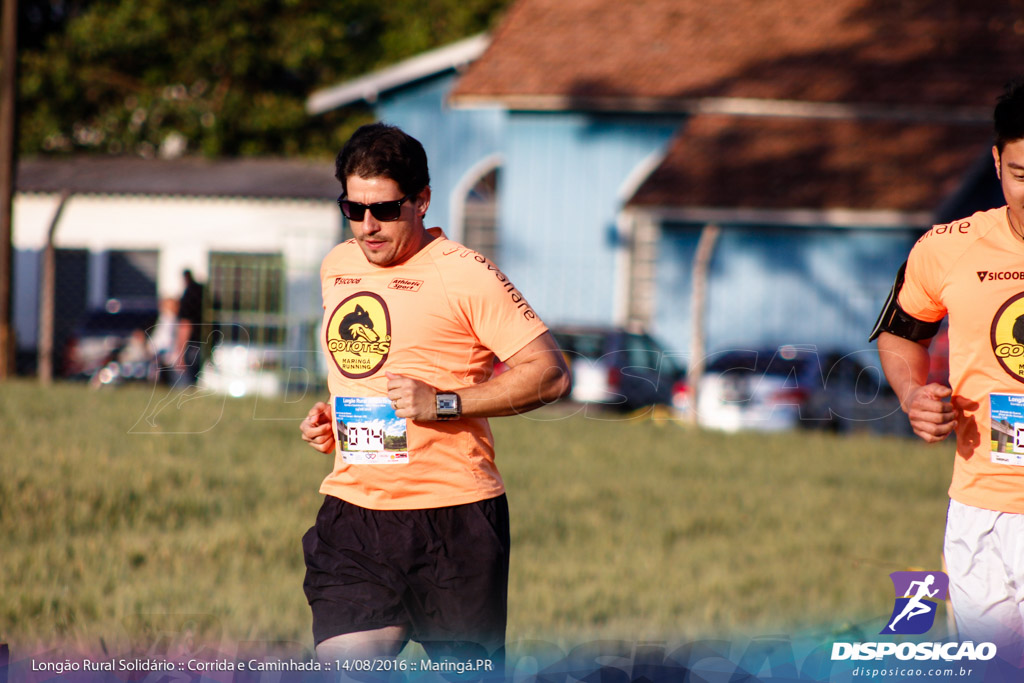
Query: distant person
x: 417, y: 548
x: 970, y: 270
x: 163, y: 337
x: 188, y: 356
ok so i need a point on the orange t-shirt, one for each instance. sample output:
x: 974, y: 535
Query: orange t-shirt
x: 441, y: 317
x: 973, y: 271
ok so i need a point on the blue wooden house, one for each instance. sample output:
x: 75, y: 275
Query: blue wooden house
x: 587, y: 145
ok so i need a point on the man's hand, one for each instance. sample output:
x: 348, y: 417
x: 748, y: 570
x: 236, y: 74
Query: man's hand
x: 906, y: 364
x: 931, y: 416
x: 412, y: 398
x: 316, y: 428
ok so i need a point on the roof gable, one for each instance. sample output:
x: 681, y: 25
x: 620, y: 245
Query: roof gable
x: 369, y: 87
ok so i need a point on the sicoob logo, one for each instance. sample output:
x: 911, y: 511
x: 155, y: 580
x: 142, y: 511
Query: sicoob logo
x: 1008, y: 336
x: 917, y: 597
x: 359, y: 335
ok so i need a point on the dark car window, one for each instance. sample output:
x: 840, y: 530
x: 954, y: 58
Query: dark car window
x: 776, y: 365
x: 760, y: 362
x: 644, y: 352
x: 620, y: 348
x: 102, y: 322
x: 586, y: 345
x: 732, y: 361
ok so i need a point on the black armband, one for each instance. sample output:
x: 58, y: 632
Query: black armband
x: 895, y: 320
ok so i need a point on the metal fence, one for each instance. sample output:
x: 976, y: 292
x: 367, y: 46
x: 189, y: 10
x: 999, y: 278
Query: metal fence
x: 102, y: 303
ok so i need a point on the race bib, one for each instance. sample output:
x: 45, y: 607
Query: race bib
x: 1007, y: 419
x: 368, y: 432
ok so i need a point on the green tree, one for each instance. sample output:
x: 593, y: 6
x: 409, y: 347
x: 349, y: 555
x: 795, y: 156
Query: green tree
x: 221, y: 78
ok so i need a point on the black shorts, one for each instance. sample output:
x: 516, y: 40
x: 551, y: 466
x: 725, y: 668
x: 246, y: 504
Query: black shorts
x: 442, y: 573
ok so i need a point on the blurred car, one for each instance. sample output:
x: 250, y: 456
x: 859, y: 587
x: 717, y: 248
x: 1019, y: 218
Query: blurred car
x: 617, y: 368
x: 775, y: 389
x: 101, y: 336
x: 854, y: 397
x: 243, y: 370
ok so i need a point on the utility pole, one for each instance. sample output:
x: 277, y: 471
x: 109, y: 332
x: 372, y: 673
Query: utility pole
x: 8, y: 122
x: 699, y: 297
x: 47, y: 298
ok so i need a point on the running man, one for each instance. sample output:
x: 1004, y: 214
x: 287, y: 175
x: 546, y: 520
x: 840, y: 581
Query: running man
x: 972, y: 270
x: 412, y: 540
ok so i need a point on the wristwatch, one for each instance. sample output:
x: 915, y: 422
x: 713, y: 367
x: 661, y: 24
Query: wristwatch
x: 448, y: 406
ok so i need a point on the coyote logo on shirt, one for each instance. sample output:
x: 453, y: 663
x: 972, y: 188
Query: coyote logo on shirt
x: 1008, y: 336
x: 358, y: 325
x: 358, y: 335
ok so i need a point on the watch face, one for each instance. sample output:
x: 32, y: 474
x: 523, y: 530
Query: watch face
x: 447, y: 403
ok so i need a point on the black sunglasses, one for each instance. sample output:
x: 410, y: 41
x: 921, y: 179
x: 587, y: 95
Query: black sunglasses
x: 382, y: 211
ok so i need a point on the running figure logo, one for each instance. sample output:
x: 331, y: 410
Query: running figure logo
x: 917, y: 599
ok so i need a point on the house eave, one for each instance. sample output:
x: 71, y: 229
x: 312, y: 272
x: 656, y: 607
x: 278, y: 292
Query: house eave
x: 882, y: 219
x: 736, y: 106
x: 368, y: 88
x: 177, y: 197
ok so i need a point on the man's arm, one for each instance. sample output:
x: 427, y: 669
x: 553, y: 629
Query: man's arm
x: 905, y: 364
x: 536, y: 375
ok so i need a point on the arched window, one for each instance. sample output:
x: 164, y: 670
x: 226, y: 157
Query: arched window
x: 480, y: 213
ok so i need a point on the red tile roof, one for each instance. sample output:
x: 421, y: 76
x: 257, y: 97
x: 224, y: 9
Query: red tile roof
x: 661, y: 54
x: 783, y: 163
x: 846, y: 104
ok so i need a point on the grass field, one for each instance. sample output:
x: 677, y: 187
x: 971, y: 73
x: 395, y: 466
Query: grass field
x: 125, y: 513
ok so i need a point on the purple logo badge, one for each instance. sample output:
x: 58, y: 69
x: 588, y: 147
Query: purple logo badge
x: 918, y: 595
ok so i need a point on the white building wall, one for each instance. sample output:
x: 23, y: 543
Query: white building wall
x: 184, y: 230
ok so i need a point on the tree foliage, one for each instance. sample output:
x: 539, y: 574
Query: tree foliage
x: 220, y: 77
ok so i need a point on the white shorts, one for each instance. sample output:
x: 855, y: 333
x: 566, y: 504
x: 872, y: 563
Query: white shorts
x: 984, y: 552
